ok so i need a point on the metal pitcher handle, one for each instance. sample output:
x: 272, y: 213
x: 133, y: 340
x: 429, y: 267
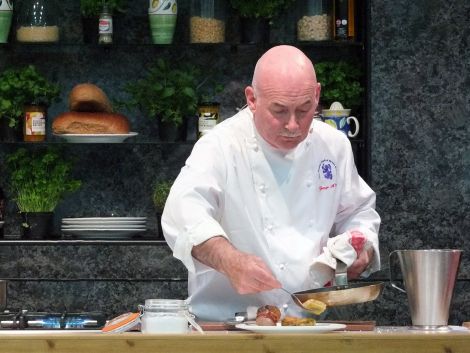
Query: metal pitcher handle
x: 392, y: 280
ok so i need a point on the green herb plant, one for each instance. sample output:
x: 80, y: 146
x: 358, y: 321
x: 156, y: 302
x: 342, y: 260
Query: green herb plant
x: 167, y: 92
x: 160, y: 193
x: 92, y: 8
x: 340, y: 82
x: 260, y: 9
x: 39, y: 179
x: 23, y: 86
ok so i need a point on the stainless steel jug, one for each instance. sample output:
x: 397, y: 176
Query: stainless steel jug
x: 429, y: 278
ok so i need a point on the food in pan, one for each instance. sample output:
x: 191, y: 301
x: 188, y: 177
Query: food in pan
x: 297, y: 321
x: 316, y: 306
x: 268, y: 315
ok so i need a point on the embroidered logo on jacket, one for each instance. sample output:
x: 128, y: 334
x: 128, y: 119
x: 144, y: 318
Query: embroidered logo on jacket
x: 327, y: 174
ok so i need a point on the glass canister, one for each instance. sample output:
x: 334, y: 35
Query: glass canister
x: 315, y: 20
x: 38, y: 22
x: 165, y: 316
x: 207, y: 21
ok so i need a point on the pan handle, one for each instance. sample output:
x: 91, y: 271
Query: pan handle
x: 392, y: 280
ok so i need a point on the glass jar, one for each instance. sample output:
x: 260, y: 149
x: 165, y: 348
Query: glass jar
x: 164, y: 316
x: 315, y: 20
x: 38, y: 22
x: 208, y: 113
x: 207, y: 21
x: 34, y: 124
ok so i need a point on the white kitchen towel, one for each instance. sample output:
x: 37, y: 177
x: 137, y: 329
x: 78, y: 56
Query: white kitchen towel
x: 345, y: 247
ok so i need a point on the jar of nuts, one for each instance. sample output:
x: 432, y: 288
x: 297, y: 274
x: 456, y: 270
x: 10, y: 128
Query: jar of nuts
x: 315, y: 20
x: 207, y: 21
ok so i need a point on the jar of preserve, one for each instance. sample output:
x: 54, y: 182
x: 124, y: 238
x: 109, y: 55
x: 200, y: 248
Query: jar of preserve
x: 34, y: 123
x: 207, y: 21
x: 315, y: 20
x: 38, y: 22
x: 165, y: 316
x: 208, y: 117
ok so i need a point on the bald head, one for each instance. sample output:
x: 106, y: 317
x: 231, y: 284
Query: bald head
x: 283, y: 96
x: 283, y: 65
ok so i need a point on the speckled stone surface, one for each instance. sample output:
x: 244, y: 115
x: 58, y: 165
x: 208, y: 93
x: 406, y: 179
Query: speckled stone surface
x: 418, y: 143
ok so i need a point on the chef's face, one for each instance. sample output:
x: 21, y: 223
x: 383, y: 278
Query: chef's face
x: 282, y: 116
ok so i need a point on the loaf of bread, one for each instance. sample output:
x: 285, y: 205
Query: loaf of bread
x: 87, y: 97
x: 90, y: 123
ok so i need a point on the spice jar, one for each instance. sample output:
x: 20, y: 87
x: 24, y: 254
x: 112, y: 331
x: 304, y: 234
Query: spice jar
x: 207, y: 21
x: 34, y: 123
x: 38, y: 22
x: 105, y: 26
x: 164, y: 316
x: 315, y: 20
x: 208, y: 113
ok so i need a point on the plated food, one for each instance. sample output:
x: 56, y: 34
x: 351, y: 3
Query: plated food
x: 91, y: 113
x: 270, y: 315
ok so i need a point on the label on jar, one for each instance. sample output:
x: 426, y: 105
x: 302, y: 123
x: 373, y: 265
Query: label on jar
x: 207, y: 121
x: 35, y: 123
x: 106, y: 25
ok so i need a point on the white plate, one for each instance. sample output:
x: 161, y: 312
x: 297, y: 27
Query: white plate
x: 318, y: 328
x: 104, y: 219
x: 107, y: 226
x: 107, y: 222
x: 96, y: 138
x: 102, y: 233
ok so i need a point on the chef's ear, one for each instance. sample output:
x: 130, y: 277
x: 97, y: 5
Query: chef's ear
x: 250, y: 98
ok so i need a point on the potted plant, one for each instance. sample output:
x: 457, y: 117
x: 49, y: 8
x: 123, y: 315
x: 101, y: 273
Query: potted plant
x: 255, y: 17
x: 39, y: 179
x: 90, y: 11
x: 19, y: 87
x: 340, y: 82
x: 160, y: 194
x: 168, y: 93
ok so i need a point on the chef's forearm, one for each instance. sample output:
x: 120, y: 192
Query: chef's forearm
x: 215, y: 252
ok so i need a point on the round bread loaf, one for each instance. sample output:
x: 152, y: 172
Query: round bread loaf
x: 90, y: 123
x: 87, y: 97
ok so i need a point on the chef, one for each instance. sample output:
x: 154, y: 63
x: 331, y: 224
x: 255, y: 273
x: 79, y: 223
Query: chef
x: 264, y: 196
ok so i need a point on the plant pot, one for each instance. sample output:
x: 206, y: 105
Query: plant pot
x: 159, y: 226
x: 169, y: 132
x: 254, y: 30
x: 9, y: 134
x: 36, y: 225
x: 162, y: 20
x: 5, y: 23
x: 90, y: 30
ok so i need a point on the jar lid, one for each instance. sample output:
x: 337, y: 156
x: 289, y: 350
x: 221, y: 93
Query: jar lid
x: 165, y: 303
x: 122, y: 323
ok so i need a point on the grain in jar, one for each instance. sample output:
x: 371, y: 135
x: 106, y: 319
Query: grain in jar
x: 38, y: 22
x: 207, y: 21
x: 315, y: 20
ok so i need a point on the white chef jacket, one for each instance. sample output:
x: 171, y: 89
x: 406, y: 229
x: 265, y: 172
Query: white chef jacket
x: 279, y: 206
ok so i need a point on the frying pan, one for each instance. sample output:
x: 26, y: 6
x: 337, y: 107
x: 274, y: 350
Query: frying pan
x: 343, y: 293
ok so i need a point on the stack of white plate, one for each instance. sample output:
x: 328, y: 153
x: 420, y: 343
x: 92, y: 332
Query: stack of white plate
x: 104, y: 227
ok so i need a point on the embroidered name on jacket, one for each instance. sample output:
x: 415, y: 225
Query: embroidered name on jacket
x: 327, y: 174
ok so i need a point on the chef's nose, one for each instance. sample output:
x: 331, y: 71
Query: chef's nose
x: 292, y: 124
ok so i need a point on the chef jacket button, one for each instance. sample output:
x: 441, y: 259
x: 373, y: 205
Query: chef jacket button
x: 282, y: 266
x: 262, y: 188
x: 310, y: 223
x: 270, y: 227
x: 255, y: 148
x: 308, y: 183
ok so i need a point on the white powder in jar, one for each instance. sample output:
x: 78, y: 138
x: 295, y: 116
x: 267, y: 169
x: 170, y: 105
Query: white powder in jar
x: 41, y: 34
x: 164, y: 323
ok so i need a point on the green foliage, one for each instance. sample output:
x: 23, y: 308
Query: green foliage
x: 160, y: 193
x: 208, y: 88
x: 39, y: 179
x: 91, y: 8
x: 23, y: 86
x: 341, y: 82
x: 261, y: 8
x: 167, y: 92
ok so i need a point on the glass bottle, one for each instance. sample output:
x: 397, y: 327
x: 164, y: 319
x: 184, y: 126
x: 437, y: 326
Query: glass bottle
x: 38, y: 22
x: 34, y: 124
x: 164, y: 316
x: 207, y: 21
x: 344, y: 22
x: 208, y: 113
x: 105, y: 26
x: 315, y: 20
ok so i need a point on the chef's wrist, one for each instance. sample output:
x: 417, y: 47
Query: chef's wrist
x: 216, y: 252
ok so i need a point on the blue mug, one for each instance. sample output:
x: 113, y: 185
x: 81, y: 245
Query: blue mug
x: 340, y: 120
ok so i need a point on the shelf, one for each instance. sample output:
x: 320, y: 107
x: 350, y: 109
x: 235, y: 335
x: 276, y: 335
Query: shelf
x: 129, y: 242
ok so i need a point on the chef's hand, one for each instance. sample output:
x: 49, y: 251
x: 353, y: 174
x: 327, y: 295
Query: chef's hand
x: 247, y: 273
x: 361, y: 263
